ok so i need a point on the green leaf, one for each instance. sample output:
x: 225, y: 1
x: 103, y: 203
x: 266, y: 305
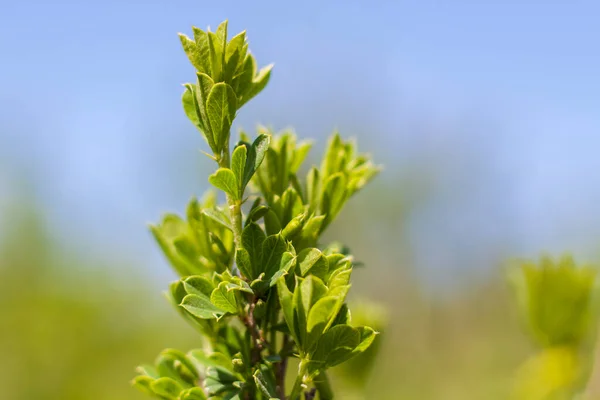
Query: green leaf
x: 236, y: 44
x: 313, y: 188
x: 193, y: 394
x: 320, y: 318
x: 336, y: 345
x: 308, y: 291
x: 257, y: 213
x: 238, y: 164
x: 201, y: 39
x: 192, y: 51
x: 272, y: 251
x: 312, y: 261
x: 233, y: 53
x: 221, y: 107
x: 222, y: 36
x: 265, y: 382
x: 339, y: 277
x: 272, y: 223
x: 291, y: 205
x: 342, y: 342
x: 204, y: 87
x: 218, y: 216
x: 288, y: 262
x: 331, y: 160
x: 211, y: 359
x: 243, y: 262
x: 252, y: 240
x: 321, y: 313
x: 219, y: 380
x: 215, y: 49
x: 180, y: 357
x: 334, y: 196
x: 294, y: 226
x: 310, y: 232
x: 190, y: 106
x: 258, y: 83
x: 224, y: 299
x: 199, y: 285
x: 240, y: 285
x: 225, y: 180
x: 143, y: 383
x: 201, y: 307
x: 166, y: 387
x: 311, y: 290
x: 287, y: 306
x: 367, y: 336
x: 148, y: 370
x: 256, y: 154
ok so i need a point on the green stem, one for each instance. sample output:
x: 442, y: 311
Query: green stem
x: 297, y: 388
x: 235, y: 206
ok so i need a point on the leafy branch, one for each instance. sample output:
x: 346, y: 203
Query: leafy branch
x: 255, y: 280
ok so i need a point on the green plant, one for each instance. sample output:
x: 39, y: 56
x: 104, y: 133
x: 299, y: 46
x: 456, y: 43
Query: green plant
x: 557, y: 302
x: 254, y: 280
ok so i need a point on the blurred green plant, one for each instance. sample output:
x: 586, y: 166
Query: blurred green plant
x: 558, y: 304
x: 257, y: 285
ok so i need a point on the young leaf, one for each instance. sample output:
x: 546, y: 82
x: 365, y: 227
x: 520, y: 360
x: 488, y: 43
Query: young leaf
x: 218, y: 216
x: 312, y: 261
x: 244, y: 263
x: 320, y: 316
x: 256, y: 154
x: 201, y: 39
x: 257, y: 213
x: 265, y: 382
x: 204, y: 86
x: 336, y: 345
x: 225, y: 180
x: 288, y: 262
x: 221, y: 107
x: 224, y: 299
x: 215, y: 49
x: 201, y: 307
x: 198, y: 285
x: 193, y: 394
x: 166, y: 387
x: 272, y: 224
x: 238, y: 164
x: 252, y: 240
x: 334, y: 196
x: 272, y: 251
x: 220, y: 381
x: 287, y: 306
x: 294, y: 226
x: 258, y: 83
x: 313, y: 188
x: 191, y: 50
x: 191, y: 108
x: 176, y: 355
x: 143, y: 383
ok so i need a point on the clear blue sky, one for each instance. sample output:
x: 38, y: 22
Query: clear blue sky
x: 506, y: 92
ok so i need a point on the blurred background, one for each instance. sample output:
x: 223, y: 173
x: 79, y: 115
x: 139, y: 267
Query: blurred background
x: 485, y: 115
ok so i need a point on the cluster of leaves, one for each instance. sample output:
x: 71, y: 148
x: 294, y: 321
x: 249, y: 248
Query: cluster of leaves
x: 558, y: 304
x: 254, y: 281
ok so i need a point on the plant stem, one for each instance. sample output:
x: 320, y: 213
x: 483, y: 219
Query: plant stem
x: 235, y: 206
x: 297, y: 388
x: 254, y: 333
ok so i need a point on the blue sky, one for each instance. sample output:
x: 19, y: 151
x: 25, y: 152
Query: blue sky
x: 507, y: 93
